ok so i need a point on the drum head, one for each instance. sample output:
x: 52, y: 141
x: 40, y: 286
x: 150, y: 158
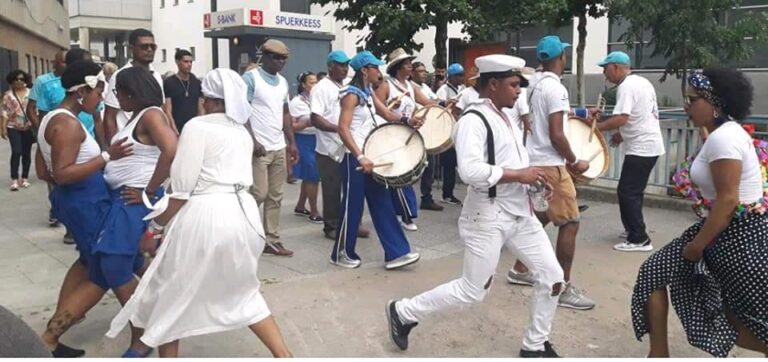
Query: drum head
x: 437, y: 129
x: 386, y: 144
x: 595, y: 151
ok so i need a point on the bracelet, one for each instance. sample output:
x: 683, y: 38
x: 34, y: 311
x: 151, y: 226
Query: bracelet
x: 155, y: 226
x: 360, y: 157
x: 106, y: 157
x: 581, y: 112
x: 404, y: 120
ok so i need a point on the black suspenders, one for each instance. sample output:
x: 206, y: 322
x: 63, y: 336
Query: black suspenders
x: 490, y: 144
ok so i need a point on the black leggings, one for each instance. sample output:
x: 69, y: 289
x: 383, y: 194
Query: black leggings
x: 21, y: 152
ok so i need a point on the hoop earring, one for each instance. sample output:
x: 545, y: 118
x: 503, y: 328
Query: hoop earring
x: 715, y: 114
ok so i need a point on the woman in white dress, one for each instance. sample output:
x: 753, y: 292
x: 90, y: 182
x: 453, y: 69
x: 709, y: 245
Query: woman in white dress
x: 204, y: 278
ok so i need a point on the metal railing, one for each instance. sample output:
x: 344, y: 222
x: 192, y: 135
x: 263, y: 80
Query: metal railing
x: 681, y: 140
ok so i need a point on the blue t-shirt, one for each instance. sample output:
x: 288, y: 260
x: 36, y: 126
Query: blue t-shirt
x: 48, y: 93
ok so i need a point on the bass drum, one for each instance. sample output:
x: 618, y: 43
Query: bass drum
x: 590, y: 146
x: 402, y: 148
x: 437, y: 129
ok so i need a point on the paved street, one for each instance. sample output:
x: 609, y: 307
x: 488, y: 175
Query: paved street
x: 326, y: 311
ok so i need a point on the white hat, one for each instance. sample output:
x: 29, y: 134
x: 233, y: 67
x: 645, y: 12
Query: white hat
x: 397, y: 56
x: 222, y: 83
x: 495, y: 63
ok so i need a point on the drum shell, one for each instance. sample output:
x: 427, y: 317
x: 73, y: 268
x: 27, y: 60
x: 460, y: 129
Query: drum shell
x: 581, y: 179
x: 438, y: 119
x: 406, y: 178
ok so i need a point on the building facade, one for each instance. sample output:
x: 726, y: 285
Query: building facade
x: 102, y: 26
x: 31, y: 32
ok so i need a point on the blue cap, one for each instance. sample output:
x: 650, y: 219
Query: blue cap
x: 550, y: 47
x: 615, y: 58
x: 455, y: 69
x: 364, y: 58
x: 338, y: 56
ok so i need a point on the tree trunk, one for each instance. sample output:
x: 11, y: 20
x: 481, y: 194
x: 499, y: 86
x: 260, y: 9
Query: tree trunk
x: 441, y: 40
x: 684, y: 80
x: 581, y: 88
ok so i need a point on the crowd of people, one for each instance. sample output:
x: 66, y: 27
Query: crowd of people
x: 179, y: 182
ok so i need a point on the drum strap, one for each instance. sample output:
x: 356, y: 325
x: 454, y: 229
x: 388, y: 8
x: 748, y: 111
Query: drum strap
x: 490, y: 144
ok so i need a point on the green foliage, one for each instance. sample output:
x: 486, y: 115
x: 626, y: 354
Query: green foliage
x: 492, y: 16
x: 690, y: 33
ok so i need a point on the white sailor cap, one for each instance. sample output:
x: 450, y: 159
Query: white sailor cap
x: 496, y: 63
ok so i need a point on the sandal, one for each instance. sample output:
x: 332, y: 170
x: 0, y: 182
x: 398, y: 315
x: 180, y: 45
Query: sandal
x: 316, y: 219
x: 304, y: 212
x: 132, y: 353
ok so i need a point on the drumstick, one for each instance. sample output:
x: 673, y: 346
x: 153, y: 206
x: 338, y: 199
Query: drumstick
x: 594, y: 156
x: 394, y: 101
x: 446, y: 109
x: 411, y: 137
x: 594, y: 119
x: 385, y: 164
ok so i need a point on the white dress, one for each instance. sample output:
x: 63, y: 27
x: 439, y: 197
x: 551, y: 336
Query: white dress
x: 204, y: 277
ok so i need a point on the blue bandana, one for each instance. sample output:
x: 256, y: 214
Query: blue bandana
x: 362, y: 94
x: 703, y: 87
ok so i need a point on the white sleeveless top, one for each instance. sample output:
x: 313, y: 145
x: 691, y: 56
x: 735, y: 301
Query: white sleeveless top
x: 362, y: 120
x: 407, y: 102
x: 135, y: 170
x: 89, y: 148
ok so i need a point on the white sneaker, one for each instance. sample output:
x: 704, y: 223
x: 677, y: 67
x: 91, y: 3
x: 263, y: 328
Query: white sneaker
x: 14, y: 186
x: 575, y: 299
x: 526, y: 278
x: 402, y: 261
x: 410, y: 227
x: 629, y: 247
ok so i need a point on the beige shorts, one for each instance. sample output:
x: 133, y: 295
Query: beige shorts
x: 563, y: 207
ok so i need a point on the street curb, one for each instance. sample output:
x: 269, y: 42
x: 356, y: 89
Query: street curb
x: 605, y: 194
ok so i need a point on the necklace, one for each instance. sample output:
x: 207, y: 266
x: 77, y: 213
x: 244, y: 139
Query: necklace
x: 185, y: 85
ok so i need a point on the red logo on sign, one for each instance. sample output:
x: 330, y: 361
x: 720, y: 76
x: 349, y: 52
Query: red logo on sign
x: 207, y: 20
x: 257, y: 17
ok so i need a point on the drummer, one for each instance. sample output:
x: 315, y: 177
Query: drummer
x: 636, y: 116
x: 400, y: 95
x: 549, y: 149
x: 355, y: 123
x: 453, y: 91
x: 419, y: 79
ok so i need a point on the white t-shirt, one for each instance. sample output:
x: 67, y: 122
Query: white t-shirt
x: 729, y: 141
x: 426, y: 91
x: 636, y: 98
x: 520, y: 109
x: 110, y: 98
x: 466, y: 97
x: 448, y: 91
x: 267, y: 111
x: 548, y: 96
x: 299, y: 109
x: 324, y: 101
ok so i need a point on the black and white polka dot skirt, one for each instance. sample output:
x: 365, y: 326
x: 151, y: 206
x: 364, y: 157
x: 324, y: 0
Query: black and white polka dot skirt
x: 733, y: 275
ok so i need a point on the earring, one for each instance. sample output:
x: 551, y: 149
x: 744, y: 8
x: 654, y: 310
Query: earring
x: 715, y: 114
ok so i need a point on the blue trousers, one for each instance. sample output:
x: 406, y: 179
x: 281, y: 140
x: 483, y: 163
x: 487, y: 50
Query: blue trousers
x: 358, y: 187
x: 404, y: 199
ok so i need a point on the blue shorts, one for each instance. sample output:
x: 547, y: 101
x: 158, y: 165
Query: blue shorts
x: 306, y: 169
x: 113, y: 271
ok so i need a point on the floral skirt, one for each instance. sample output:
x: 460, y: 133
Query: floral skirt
x: 733, y: 276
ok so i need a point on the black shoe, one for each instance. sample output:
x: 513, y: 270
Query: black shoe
x: 52, y: 220
x: 583, y: 208
x: 68, y: 238
x: 64, y: 351
x: 452, y: 200
x: 397, y: 330
x: 548, y: 352
x: 431, y: 205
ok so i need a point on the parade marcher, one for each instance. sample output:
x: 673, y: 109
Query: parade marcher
x: 183, y: 99
x: 496, y: 213
x: 419, y: 78
x: 548, y: 148
x: 449, y: 92
x: 636, y: 116
x: 16, y: 127
x: 70, y: 159
x: 272, y: 128
x: 715, y: 271
x: 141, y: 43
x: 355, y: 123
x: 306, y: 140
x: 399, y: 94
x: 41, y: 84
x: 325, y: 107
x: 188, y: 290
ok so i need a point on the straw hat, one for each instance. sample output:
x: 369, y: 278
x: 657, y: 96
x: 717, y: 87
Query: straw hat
x: 397, y: 56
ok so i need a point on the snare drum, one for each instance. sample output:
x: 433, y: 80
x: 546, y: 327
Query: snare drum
x: 387, y: 144
x: 437, y: 129
x: 595, y: 151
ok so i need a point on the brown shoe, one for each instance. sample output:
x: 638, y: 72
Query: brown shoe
x: 363, y: 232
x: 276, y: 249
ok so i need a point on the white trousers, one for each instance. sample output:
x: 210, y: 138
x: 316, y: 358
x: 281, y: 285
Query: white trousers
x: 485, y: 229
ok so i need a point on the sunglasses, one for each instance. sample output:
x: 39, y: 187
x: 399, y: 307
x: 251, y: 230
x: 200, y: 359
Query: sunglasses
x: 20, y: 79
x: 690, y: 100
x: 148, y: 46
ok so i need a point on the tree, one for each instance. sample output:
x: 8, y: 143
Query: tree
x: 690, y: 33
x: 393, y: 23
x: 581, y: 9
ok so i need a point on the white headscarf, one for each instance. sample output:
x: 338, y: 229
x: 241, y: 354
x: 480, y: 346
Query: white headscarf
x: 226, y: 84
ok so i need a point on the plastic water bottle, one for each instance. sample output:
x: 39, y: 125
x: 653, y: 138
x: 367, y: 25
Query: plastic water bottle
x: 539, y: 201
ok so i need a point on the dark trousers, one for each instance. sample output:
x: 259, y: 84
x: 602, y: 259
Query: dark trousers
x: 427, y: 179
x: 21, y: 152
x: 330, y: 179
x: 634, y: 178
x: 448, y: 163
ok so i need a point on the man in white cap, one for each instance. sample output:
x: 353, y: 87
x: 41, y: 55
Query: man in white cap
x: 271, y: 126
x: 496, y: 213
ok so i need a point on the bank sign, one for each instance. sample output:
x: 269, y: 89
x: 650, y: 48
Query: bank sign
x: 267, y: 19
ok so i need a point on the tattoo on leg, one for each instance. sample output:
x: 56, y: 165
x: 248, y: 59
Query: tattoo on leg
x: 60, y: 323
